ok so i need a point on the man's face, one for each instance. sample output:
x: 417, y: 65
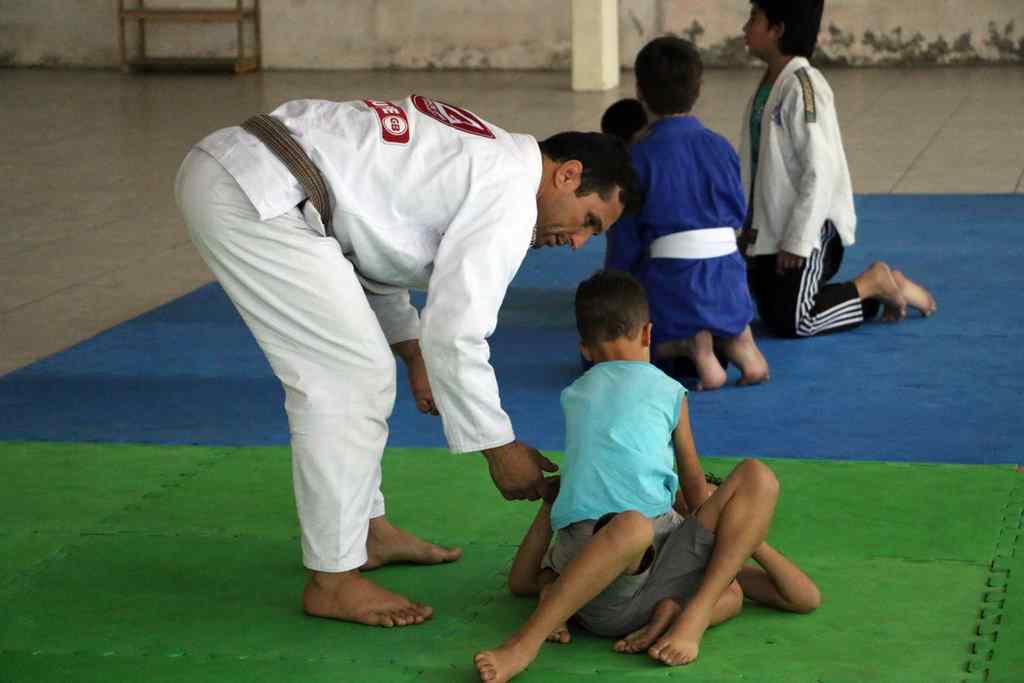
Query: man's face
x: 563, y: 218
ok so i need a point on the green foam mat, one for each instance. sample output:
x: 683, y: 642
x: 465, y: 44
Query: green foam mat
x: 997, y: 650
x: 73, y: 486
x: 182, y: 563
x: 51, y: 494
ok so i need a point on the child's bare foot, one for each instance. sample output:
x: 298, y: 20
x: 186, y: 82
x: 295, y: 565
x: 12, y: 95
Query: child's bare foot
x: 560, y: 635
x: 892, y: 315
x: 503, y: 663
x: 350, y: 597
x: 915, y: 295
x: 709, y: 369
x: 387, y: 544
x: 701, y: 350
x: 638, y: 641
x: 681, y: 644
x: 877, y: 282
x: 742, y: 350
x: 561, y: 632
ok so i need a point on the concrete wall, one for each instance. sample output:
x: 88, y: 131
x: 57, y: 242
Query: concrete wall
x: 509, y: 34
x: 854, y: 32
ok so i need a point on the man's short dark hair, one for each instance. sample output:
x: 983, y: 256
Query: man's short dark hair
x: 610, y: 304
x: 624, y: 119
x: 802, y: 19
x: 607, y: 167
x: 668, y: 74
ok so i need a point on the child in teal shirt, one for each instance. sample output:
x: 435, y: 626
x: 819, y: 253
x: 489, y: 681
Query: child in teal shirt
x: 624, y: 562
x: 619, y: 419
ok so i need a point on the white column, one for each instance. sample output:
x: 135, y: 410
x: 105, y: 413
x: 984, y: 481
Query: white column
x: 595, y: 44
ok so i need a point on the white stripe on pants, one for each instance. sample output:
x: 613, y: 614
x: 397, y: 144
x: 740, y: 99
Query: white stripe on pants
x: 302, y: 301
x: 808, y: 324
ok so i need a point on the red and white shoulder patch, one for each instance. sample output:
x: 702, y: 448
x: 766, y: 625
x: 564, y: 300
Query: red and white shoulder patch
x: 452, y: 116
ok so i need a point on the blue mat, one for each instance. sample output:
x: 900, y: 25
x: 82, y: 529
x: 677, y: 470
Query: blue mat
x: 947, y: 389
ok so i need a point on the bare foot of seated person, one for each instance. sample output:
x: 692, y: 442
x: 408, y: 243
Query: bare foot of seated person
x: 560, y: 634
x: 665, y: 612
x: 668, y: 610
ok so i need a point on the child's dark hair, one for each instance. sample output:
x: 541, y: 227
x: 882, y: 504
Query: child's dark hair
x: 668, y: 73
x: 802, y: 19
x: 624, y: 119
x: 610, y: 304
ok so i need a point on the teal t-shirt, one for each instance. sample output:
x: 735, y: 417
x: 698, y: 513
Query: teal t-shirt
x: 756, y: 114
x: 619, y: 419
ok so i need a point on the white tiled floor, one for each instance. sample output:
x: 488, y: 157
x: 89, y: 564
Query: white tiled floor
x: 91, y: 237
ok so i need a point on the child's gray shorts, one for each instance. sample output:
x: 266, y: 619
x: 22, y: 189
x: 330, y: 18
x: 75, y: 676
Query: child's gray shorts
x: 682, y: 548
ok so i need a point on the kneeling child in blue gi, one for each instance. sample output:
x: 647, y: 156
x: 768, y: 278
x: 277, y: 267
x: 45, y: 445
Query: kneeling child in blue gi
x: 682, y: 244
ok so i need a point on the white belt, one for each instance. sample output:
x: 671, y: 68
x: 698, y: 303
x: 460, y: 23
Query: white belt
x: 695, y: 244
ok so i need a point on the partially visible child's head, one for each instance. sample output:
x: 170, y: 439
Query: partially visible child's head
x: 610, y: 306
x: 798, y: 20
x: 624, y: 119
x: 668, y: 75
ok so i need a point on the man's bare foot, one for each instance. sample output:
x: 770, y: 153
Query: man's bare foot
x: 681, y: 644
x: 877, y: 282
x: 742, y: 350
x: 503, y: 663
x: 347, y: 596
x: 387, y: 544
x: 915, y: 295
x: 638, y: 641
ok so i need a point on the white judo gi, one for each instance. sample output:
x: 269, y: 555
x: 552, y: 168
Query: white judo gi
x: 425, y: 195
x: 801, y: 202
x: 803, y: 179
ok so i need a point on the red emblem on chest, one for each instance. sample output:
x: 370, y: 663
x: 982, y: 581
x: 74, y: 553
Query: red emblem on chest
x: 450, y: 115
x: 394, y: 124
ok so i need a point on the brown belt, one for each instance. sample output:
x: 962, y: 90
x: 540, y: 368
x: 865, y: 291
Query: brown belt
x: 278, y: 140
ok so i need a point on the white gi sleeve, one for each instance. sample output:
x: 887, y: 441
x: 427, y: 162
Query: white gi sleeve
x: 397, y: 316
x: 815, y: 179
x: 477, y: 259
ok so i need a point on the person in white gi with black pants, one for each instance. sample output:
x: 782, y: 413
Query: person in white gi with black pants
x: 800, y: 196
x: 423, y: 195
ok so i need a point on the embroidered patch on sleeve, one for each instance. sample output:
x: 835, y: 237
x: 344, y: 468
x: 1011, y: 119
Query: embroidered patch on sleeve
x: 394, y: 124
x: 810, y: 112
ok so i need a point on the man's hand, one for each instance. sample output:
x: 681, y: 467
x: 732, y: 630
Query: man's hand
x: 518, y: 471
x: 420, y: 386
x: 416, y: 370
x: 786, y: 261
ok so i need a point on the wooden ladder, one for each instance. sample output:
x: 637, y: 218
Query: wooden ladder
x: 238, y: 15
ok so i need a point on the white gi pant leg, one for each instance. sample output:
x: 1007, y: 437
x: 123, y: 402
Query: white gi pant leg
x: 302, y: 301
